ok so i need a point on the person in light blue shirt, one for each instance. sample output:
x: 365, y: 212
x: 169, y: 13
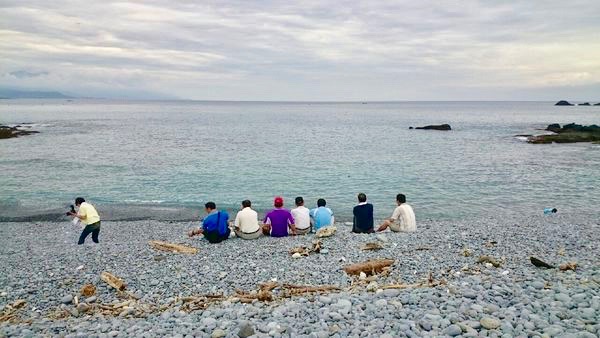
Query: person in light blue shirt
x: 321, y: 216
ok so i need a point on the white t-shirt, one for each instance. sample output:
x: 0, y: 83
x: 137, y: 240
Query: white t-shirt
x: 404, y: 217
x: 302, y: 217
x: 247, y: 220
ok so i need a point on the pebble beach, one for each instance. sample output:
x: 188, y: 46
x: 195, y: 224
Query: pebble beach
x: 435, y: 287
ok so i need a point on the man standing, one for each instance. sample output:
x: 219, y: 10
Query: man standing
x: 214, y: 225
x: 278, y: 220
x: 321, y: 215
x: 89, y: 216
x: 403, y: 217
x: 363, y: 215
x: 246, y: 222
x: 301, y: 216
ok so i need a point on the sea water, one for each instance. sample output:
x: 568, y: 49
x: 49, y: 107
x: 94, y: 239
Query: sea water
x: 151, y: 158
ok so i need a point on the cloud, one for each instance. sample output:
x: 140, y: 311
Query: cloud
x: 21, y: 74
x: 314, y: 50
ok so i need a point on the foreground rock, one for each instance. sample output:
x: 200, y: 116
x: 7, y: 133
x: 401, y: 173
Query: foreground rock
x: 435, y: 127
x: 569, y: 133
x: 10, y: 132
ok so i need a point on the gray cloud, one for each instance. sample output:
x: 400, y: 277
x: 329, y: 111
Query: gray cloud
x: 316, y: 50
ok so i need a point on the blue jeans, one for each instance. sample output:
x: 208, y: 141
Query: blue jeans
x: 94, y: 229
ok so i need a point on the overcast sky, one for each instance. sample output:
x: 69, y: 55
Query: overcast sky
x: 304, y: 50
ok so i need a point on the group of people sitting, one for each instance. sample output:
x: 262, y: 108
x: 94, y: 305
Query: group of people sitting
x: 281, y: 222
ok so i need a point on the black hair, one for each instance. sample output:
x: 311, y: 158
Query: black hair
x: 401, y: 198
x: 362, y: 197
x: 299, y: 200
x: 246, y: 203
x: 210, y: 205
x: 79, y: 200
x: 321, y: 202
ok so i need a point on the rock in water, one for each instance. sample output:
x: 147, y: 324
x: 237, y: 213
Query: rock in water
x: 539, y: 263
x: 563, y: 103
x: 246, y: 330
x: 444, y: 126
x: 490, y: 323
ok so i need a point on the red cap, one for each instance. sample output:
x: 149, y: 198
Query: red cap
x: 278, y: 202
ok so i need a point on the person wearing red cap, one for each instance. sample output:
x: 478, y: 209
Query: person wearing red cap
x: 279, y: 220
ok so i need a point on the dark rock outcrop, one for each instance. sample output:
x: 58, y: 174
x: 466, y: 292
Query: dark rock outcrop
x: 597, y: 104
x: 584, y: 104
x: 569, y: 133
x: 10, y: 132
x: 554, y: 127
x: 436, y: 127
x: 563, y: 103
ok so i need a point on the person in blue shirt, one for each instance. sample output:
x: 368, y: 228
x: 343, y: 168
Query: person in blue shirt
x: 321, y: 216
x: 214, y: 225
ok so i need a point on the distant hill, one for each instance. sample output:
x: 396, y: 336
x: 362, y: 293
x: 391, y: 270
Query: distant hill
x: 26, y: 94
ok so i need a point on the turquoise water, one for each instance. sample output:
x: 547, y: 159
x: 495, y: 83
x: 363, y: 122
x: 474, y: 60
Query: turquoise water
x: 171, y: 155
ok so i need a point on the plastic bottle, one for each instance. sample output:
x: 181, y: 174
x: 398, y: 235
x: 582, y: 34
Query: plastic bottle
x: 548, y: 211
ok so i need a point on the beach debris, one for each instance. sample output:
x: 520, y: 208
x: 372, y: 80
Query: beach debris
x: 490, y: 260
x: 467, y: 252
x: 370, y: 267
x: 294, y: 290
x: 561, y: 252
x: 372, y: 246
x: 113, y: 281
x: 9, y: 313
x: 326, y: 232
x: 568, y: 266
x: 430, y: 282
x: 372, y: 286
x: 362, y: 276
x: 300, y: 251
x: 490, y: 244
x: 172, y: 247
x: 539, y: 263
x: 422, y: 248
x: 88, y: 290
x: 79, y: 268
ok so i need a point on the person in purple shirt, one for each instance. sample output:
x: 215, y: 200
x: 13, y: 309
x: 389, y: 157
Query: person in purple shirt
x: 278, y: 220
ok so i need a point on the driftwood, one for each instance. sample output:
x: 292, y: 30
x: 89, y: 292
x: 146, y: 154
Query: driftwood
x: 568, y: 266
x: 292, y: 290
x: 326, y: 232
x: 372, y: 246
x: 113, y: 281
x: 369, y: 267
x: 467, y: 252
x: 172, y: 247
x: 9, y: 313
x: 488, y: 259
x: 539, y: 263
x: 490, y: 244
x: 88, y: 290
x: 304, y: 251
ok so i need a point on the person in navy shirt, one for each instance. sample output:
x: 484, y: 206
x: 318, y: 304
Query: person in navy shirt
x: 363, y: 215
x: 214, y: 225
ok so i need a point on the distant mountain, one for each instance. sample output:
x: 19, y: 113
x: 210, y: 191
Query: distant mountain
x: 27, y: 94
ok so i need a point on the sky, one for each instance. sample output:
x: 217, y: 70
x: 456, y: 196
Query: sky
x: 303, y: 50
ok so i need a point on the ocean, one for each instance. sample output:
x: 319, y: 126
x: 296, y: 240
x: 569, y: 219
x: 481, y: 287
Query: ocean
x: 165, y: 159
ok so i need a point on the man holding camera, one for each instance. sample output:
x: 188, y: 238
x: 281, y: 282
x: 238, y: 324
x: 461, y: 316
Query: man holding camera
x: 89, y: 216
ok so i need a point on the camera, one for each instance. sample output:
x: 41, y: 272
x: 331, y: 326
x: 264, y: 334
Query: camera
x: 72, y: 210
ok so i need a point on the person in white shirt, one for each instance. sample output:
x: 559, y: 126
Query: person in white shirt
x: 246, y: 222
x: 301, y: 215
x: 403, y: 217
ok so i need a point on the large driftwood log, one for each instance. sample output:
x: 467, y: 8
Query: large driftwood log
x: 113, y: 281
x: 172, y: 247
x: 369, y: 267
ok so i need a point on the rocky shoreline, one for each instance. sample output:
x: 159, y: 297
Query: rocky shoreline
x: 434, y: 287
x: 16, y: 131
